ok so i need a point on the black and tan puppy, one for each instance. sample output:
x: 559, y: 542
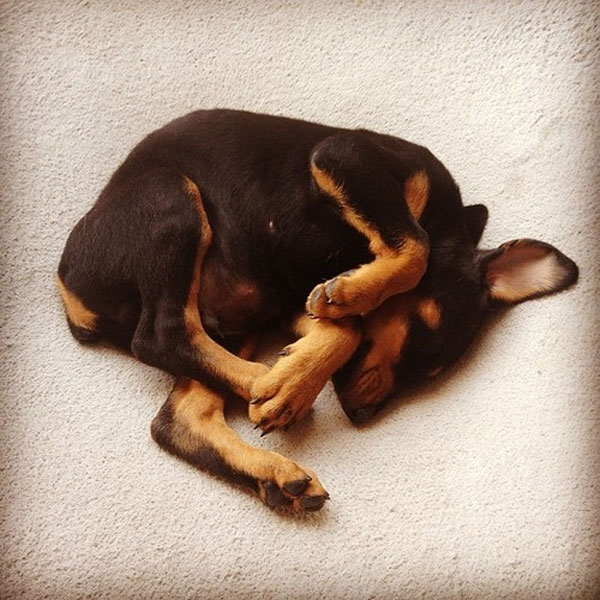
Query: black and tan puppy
x: 223, y: 224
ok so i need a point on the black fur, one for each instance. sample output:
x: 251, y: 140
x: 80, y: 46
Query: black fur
x: 131, y: 258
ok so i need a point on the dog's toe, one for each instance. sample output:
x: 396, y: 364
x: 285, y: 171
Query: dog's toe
x: 312, y: 503
x: 304, y: 494
x: 336, y: 298
x: 295, y: 488
x: 272, y: 495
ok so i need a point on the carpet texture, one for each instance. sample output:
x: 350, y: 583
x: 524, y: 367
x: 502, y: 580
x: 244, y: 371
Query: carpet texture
x: 483, y: 485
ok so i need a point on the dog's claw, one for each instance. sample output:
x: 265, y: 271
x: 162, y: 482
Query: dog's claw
x: 329, y: 289
x: 339, y: 297
x: 315, y: 296
x: 266, y: 431
x: 348, y: 273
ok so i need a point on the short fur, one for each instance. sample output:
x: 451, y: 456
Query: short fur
x: 225, y: 223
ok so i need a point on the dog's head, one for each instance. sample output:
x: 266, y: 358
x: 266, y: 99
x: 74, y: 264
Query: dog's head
x: 414, y: 336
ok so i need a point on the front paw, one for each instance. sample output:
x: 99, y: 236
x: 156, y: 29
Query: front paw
x: 284, y: 395
x: 340, y: 297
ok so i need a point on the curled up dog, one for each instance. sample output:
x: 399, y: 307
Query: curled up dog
x: 224, y: 224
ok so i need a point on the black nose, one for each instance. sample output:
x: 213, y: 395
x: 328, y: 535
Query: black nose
x: 361, y: 415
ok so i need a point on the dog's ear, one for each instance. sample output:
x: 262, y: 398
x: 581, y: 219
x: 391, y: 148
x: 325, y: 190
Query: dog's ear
x: 524, y: 269
x: 476, y: 217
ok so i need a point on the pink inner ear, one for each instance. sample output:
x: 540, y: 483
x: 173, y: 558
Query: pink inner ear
x: 523, y: 271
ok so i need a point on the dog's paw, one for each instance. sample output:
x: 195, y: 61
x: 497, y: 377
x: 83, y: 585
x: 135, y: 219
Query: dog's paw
x: 340, y: 297
x: 300, y: 489
x: 285, y: 395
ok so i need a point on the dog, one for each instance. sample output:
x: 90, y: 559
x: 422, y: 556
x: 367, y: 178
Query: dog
x: 223, y: 224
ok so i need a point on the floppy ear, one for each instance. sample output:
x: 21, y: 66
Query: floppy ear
x: 476, y: 217
x: 524, y: 269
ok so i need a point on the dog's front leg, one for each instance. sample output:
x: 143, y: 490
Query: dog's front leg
x: 348, y: 169
x: 287, y: 392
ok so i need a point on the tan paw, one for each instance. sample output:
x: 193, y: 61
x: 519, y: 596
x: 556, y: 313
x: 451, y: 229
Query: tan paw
x: 339, y: 297
x: 287, y: 392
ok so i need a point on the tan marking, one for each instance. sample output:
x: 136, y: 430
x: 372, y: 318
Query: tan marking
x: 77, y: 313
x: 191, y: 313
x: 333, y: 189
x: 387, y: 329
x: 228, y: 302
x: 198, y: 411
x: 416, y: 193
x: 373, y: 283
x: 394, y: 271
x: 192, y: 190
x: 430, y: 312
x: 249, y: 346
x: 392, y: 275
x: 240, y: 373
x: 199, y: 420
x: 296, y: 379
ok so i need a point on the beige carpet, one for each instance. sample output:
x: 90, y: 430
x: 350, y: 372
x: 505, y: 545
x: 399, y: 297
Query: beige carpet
x: 483, y: 486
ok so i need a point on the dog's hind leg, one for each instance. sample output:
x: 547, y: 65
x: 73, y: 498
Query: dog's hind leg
x: 149, y: 233
x: 287, y: 392
x: 191, y: 424
x: 191, y: 352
